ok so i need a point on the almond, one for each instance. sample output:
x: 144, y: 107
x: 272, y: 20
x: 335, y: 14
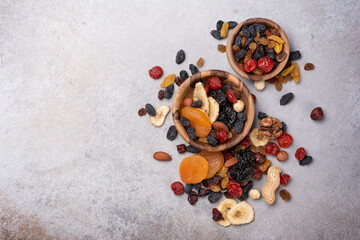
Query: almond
x: 162, y: 156
x: 231, y: 162
x: 218, y: 126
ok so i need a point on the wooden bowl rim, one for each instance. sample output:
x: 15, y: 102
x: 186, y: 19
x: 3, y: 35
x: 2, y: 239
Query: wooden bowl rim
x: 237, y: 84
x: 235, y: 65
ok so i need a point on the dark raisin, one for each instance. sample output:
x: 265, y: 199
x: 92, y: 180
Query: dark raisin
x: 295, y: 55
x: 238, y: 40
x: 219, y: 25
x: 305, y: 161
x: 259, y: 27
x: 262, y: 115
x: 183, y: 75
x: 243, y: 197
x: 240, y: 55
x: 191, y: 133
x: 285, y: 99
x: 248, y: 41
x: 197, y: 186
x: 262, y: 50
x: 172, y: 133
x: 284, y: 127
x: 216, y: 34
x: 161, y: 94
x: 217, y: 215
x: 228, y: 195
x: 257, y: 56
x: 181, y: 148
x: 203, y: 192
x: 247, y: 187
x: 169, y: 91
x: 142, y: 112
x: 192, y: 198
x: 180, y: 56
x: 185, y: 122
x: 193, y: 69
x: 242, y: 116
x: 232, y: 24
x: 245, y: 31
x: 197, y: 104
x: 219, y: 96
x: 211, y: 181
x: 188, y: 188
x: 252, y: 30
x: 150, y: 109
x: 192, y: 149
x: 227, y: 87
x: 178, y: 81
x: 239, y: 125
x: 215, y: 196
x: 271, y: 54
x: 211, y: 140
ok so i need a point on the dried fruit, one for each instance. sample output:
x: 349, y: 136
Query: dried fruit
x: 222, y: 136
x: 261, y: 150
x: 178, y: 188
x: 276, y: 39
x: 317, y: 114
x: 271, y: 45
x: 180, y: 56
x: 285, y: 99
x: 240, y: 54
x: 265, y: 64
x: 192, y: 149
x: 188, y: 102
x: 216, y: 215
x: 239, y: 126
x: 214, y: 180
x: 282, y: 156
x: 183, y: 75
x: 272, y: 148
x: 264, y: 167
x: 284, y: 179
x: 285, y: 140
x: 245, y: 142
x: 161, y: 113
x: 241, y: 213
x: 224, y: 30
x: 305, y: 161
x: 221, y: 48
x: 161, y: 94
x: 284, y: 127
x: 142, y: 112
x: 215, y: 160
x: 199, y: 120
x: 243, y: 170
x: 285, y: 195
x: 169, y: 91
x: 232, y: 24
x: 309, y: 66
x: 281, y: 56
x: 295, y: 55
x: 178, y: 81
x: 252, y: 46
x: 250, y: 65
x: 214, y: 109
x: 268, y: 32
x: 231, y: 96
x: 193, y: 69
x: 192, y: 198
x: 300, y: 153
x: 161, y: 156
x: 235, y: 49
x: 181, y: 148
x: 200, y: 62
x: 278, y: 86
x: 215, y: 83
x: 288, y: 70
x: 264, y: 41
x: 214, y: 196
x: 156, y: 72
x: 150, y: 109
x: 193, y: 169
x: 224, y: 182
x: 196, y: 104
x: 262, y: 115
x: 219, y: 126
x: 296, y: 73
x: 273, y: 182
x: 257, y: 174
x: 168, y: 80
x: 203, y: 192
x: 277, y: 47
x: 191, y: 133
x: 219, y: 25
x: 215, y: 188
x: 215, y: 34
x: 172, y: 133
x: 188, y: 188
x: 260, y: 158
x: 234, y: 188
x: 185, y: 122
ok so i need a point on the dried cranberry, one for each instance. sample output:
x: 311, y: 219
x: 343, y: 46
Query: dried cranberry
x: 257, y: 174
x: 285, y: 140
x: 181, y: 148
x: 245, y: 142
x: 228, y: 195
x: 250, y: 65
x: 231, y: 96
x: 317, y: 114
x: 215, y: 83
x: 207, y: 87
x: 265, y: 64
x: 284, y: 179
x: 178, y: 188
x: 300, y: 153
x: 234, y: 188
x: 217, y: 215
x: 222, y: 136
x: 272, y: 148
x: 156, y: 72
x: 229, y: 155
x: 192, y: 198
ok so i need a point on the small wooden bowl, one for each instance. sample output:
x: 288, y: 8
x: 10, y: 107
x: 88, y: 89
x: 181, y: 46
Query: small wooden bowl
x: 186, y: 90
x: 231, y: 56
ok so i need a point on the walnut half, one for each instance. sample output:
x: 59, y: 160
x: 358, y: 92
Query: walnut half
x: 270, y: 128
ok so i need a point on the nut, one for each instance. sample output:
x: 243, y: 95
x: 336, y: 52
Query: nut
x: 254, y: 193
x: 317, y: 114
x: 259, y: 85
x: 162, y: 156
x: 188, y: 101
x: 218, y: 126
x: 231, y: 161
x: 270, y: 128
x: 273, y: 182
x: 282, y: 156
x: 239, y: 106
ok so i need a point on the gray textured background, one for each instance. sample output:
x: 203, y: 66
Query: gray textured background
x: 76, y: 160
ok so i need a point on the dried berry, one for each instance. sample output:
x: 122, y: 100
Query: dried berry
x: 239, y: 125
x: 215, y: 83
x: 180, y: 56
x: 161, y: 94
x: 309, y: 66
x: 243, y: 170
x: 156, y: 72
x: 284, y: 179
x: 212, y: 181
x: 191, y: 133
x: 243, y: 197
x: 221, y: 48
x: 192, y: 198
x: 200, y: 62
x: 193, y: 69
x: 234, y: 188
x: 237, y: 41
x: 197, y: 186
x: 214, y: 196
x: 247, y: 187
x: 196, y: 104
x: 178, y: 81
x: 169, y: 91
x: 317, y: 114
x: 264, y: 167
x: 257, y: 174
x: 265, y: 64
x: 285, y: 195
x: 305, y: 161
x: 185, y: 122
x: 235, y: 49
x: 142, y: 112
x: 203, y: 192
x: 240, y: 55
x: 192, y: 149
x: 272, y: 148
x: 252, y: 46
x: 172, y: 133
x: 300, y: 153
x: 284, y: 127
x: 227, y: 194
x: 242, y: 116
x: 245, y: 142
x: 183, y: 75
x: 217, y: 215
x: 295, y: 55
x: 260, y: 159
x: 216, y: 34
x: 285, y: 99
x: 150, y: 109
x: 250, y: 65
x: 262, y: 115
x: 178, y: 188
x: 224, y: 30
x: 222, y: 136
x: 211, y: 140
x: 219, y: 25
x: 285, y: 140
x: 232, y: 24
x: 181, y: 148
x: 207, y: 88
x: 231, y: 96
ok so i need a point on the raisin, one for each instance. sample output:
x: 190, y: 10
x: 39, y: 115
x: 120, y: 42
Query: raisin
x: 142, y: 112
x: 285, y: 195
x: 259, y: 27
x: 295, y: 55
x: 217, y: 215
x: 156, y: 72
x: 191, y: 133
x: 238, y: 40
x: 281, y: 56
x: 272, y: 148
x: 188, y: 188
x: 172, y: 133
x: 252, y: 30
x: 257, y: 174
x: 242, y: 116
x: 221, y: 48
x: 211, y: 181
x: 178, y: 81
x: 216, y: 34
x: 256, y: 56
x: 309, y: 66
x: 247, y: 187
x: 234, y: 188
x: 203, y: 192
x: 183, y: 75
x: 192, y: 149
x: 305, y: 161
x: 197, y: 186
x: 180, y: 56
x: 317, y: 114
x: 169, y: 91
x: 150, y: 109
x: 161, y: 94
x: 243, y: 197
x: 211, y: 140
x: 232, y: 24
x: 192, y: 198
x: 245, y: 31
x: 262, y: 115
x: 239, y: 125
x: 278, y: 86
x: 178, y: 188
x: 260, y: 158
x: 200, y: 62
x: 285, y: 99
x: 240, y: 55
x: 193, y: 69
x: 224, y: 30
x: 235, y: 49
x: 248, y: 41
x: 181, y: 148
x: 214, y: 196
x: 253, y: 46
x: 227, y: 194
x: 227, y: 87
x: 284, y: 179
x: 219, y: 96
x: 185, y: 122
x: 284, y: 127
x: 196, y: 104
x: 300, y: 153
x: 219, y: 25
x: 285, y: 140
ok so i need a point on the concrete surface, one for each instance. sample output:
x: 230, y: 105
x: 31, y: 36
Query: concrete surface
x: 76, y: 160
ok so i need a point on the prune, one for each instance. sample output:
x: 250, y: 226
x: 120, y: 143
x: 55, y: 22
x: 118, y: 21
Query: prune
x: 242, y: 116
x: 180, y: 56
x: 196, y: 104
x: 161, y: 94
x: 192, y: 198
x: 191, y: 133
x: 305, y: 161
x: 142, y: 112
x: 177, y: 188
x: 259, y: 27
x: 285, y: 99
x: 188, y: 188
x: 185, y: 122
x: 181, y: 148
x: 183, y: 75
x: 217, y: 215
x: 150, y: 109
x: 214, y: 196
x: 169, y: 91
x: 192, y: 149
x: 232, y: 24
x: 245, y: 31
x: 219, y: 96
x: 316, y: 114
x: 239, y: 125
x: 211, y: 140
x: 216, y: 34
x: 285, y: 195
x: 284, y: 127
x: 262, y: 115
x: 247, y: 187
x: 193, y: 69
x: 295, y: 55
x: 243, y: 197
x: 240, y: 55
x: 238, y: 40
x: 172, y: 133
x: 219, y: 25
x: 178, y: 81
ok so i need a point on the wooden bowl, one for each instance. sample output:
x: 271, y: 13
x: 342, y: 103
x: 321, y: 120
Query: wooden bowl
x: 231, y: 56
x: 186, y: 90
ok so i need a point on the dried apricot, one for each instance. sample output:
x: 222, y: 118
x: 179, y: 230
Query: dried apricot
x: 168, y: 80
x: 215, y: 160
x: 198, y: 120
x: 193, y: 169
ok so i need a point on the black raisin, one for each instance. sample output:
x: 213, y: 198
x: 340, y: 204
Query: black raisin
x: 217, y: 215
x: 248, y: 41
x: 238, y: 40
x: 216, y: 34
x: 227, y: 87
x: 193, y: 69
x: 188, y: 188
x: 243, y: 197
x: 192, y: 149
x: 211, y: 181
x: 191, y: 133
x: 285, y: 99
x: 169, y: 91
x: 247, y: 187
x: 284, y: 127
x: 256, y: 56
x: 192, y: 198
x: 305, y: 161
x: 183, y: 75
x: 185, y: 122
x: 219, y: 96
x: 197, y: 104
x: 240, y: 55
x: 178, y: 81
x: 242, y: 116
x: 172, y: 133
x: 295, y: 55
x: 219, y: 25
x: 259, y: 27
x: 197, y: 186
x: 245, y: 31
x: 262, y: 50
x: 252, y: 30
x: 232, y: 24
x: 211, y: 140
x: 215, y: 196
x: 262, y: 115
x: 150, y: 109
x: 239, y: 125
x: 180, y: 56
x: 203, y: 192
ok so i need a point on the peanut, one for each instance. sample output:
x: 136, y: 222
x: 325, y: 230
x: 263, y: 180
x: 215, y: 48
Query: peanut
x: 273, y: 182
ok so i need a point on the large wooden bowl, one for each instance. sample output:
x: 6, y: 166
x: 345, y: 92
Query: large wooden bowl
x: 231, y: 56
x: 186, y: 90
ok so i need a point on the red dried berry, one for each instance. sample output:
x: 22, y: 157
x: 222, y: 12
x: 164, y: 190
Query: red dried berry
x: 227, y: 194
x: 215, y: 83
x: 156, y: 72
x: 178, y: 188
x: 178, y: 81
x: 265, y: 64
x: 207, y: 87
x: 217, y: 215
x: 234, y: 188
x: 300, y: 153
x: 222, y: 136
x: 257, y: 174
x: 285, y: 140
x: 231, y: 95
x: 250, y: 65
x: 193, y: 197
x: 181, y: 148
x: 245, y: 142
x: 272, y: 148
x: 284, y: 179
x: 229, y: 155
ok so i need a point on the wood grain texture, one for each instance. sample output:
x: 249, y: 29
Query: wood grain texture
x: 186, y: 90
x: 231, y: 57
